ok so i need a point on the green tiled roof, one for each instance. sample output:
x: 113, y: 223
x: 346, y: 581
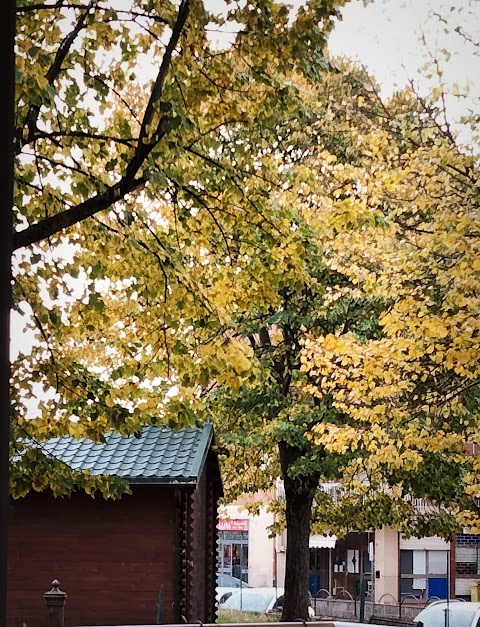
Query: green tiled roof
x: 159, y: 456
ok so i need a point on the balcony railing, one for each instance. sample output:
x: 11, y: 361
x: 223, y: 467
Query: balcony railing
x: 335, y: 490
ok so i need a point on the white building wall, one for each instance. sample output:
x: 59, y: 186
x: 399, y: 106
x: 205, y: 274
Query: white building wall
x: 386, y: 564
x: 434, y: 543
x: 280, y: 559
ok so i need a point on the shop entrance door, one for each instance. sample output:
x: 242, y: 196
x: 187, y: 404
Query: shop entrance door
x: 233, y: 554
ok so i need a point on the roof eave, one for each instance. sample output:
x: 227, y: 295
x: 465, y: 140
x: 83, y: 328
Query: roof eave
x: 202, y: 451
x: 186, y: 481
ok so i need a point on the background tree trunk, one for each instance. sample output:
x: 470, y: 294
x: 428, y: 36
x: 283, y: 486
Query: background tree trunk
x: 299, y: 493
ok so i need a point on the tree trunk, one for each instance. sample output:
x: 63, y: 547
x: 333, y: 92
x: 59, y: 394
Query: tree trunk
x: 299, y: 494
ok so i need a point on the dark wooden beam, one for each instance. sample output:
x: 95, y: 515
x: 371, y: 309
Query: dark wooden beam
x: 7, y: 121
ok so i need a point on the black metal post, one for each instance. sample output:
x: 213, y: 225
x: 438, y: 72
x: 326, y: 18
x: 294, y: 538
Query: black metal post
x: 7, y: 122
x: 363, y: 594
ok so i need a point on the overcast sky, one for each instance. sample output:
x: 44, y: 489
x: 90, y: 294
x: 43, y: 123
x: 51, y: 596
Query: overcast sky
x: 386, y: 36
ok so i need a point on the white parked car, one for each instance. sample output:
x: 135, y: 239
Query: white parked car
x: 251, y: 599
x: 227, y: 584
x: 262, y: 600
x: 346, y: 623
x: 460, y: 614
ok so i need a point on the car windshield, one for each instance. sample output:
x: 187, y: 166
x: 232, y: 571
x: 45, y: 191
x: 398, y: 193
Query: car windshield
x: 258, y: 602
x: 227, y: 581
x: 435, y: 617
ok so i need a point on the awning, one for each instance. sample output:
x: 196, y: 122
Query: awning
x: 322, y: 542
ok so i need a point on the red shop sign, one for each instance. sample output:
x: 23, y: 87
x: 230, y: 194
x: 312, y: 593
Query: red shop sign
x: 233, y: 524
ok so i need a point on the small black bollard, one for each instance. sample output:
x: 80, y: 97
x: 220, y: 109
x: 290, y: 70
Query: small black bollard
x: 55, y: 602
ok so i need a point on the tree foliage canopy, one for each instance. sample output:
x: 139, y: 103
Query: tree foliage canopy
x: 386, y: 389
x: 247, y: 233
x: 144, y: 152
x: 410, y: 395
x: 244, y: 230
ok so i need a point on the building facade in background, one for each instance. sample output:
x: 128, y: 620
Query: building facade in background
x: 388, y: 566
x: 245, y: 548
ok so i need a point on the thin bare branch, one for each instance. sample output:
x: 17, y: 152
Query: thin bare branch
x: 157, y: 88
x: 51, y: 75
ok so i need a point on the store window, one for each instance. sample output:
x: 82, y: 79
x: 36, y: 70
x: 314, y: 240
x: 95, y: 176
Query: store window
x: 233, y: 548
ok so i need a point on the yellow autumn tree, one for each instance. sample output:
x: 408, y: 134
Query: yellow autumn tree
x: 128, y: 174
x: 231, y: 242
x: 409, y: 398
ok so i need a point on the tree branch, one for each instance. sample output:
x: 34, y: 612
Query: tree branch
x: 164, y: 67
x: 128, y: 183
x: 51, y: 75
x: 44, y: 6
x: 53, y: 224
x: 127, y: 141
